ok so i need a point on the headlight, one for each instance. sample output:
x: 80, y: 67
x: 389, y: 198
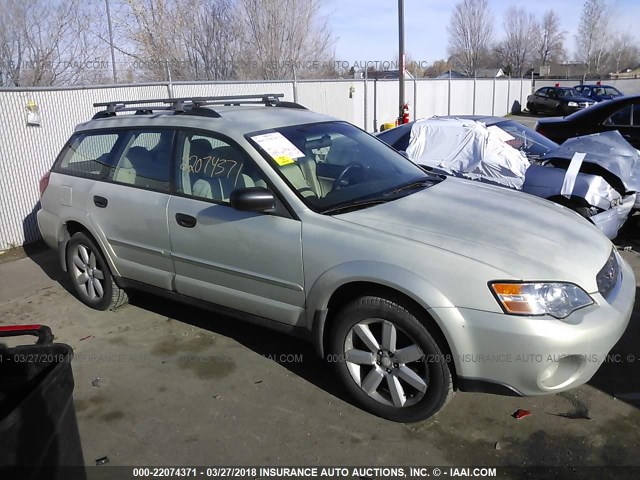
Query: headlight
x: 556, y: 299
x: 573, y: 104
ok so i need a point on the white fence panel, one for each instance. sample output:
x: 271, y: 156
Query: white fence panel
x: 484, y: 97
x: 461, y: 97
x: 335, y: 99
x: 27, y: 152
x: 433, y: 98
x: 236, y: 88
x: 501, y: 97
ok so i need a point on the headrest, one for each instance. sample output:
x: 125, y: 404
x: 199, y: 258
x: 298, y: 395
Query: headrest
x: 138, y: 155
x: 200, y: 148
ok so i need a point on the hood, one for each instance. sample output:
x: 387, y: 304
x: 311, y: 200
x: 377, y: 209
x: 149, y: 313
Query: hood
x: 609, y: 150
x: 526, y: 237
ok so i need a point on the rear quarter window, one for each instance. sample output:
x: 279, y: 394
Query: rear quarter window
x: 88, y: 155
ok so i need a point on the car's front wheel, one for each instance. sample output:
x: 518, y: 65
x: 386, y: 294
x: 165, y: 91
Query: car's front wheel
x: 532, y: 108
x: 388, y: 360
x: 90, y: 274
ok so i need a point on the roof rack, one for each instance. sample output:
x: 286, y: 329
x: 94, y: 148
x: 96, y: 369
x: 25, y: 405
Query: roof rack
x: 191, y: 105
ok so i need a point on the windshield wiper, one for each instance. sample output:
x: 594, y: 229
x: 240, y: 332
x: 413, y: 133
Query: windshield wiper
x: 356, y: 205
x: 385, y: 197
x: 409, y: 186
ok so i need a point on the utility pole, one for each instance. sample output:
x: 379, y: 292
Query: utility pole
x: 113, y: 55
x: 401, y: 55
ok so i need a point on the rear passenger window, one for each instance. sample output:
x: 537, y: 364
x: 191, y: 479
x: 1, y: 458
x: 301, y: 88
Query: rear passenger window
x: 89, y: 155
x: 145, y: 160
x: 210, y: 168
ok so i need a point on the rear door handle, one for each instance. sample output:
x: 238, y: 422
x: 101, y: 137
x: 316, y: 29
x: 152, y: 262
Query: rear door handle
x: 186, y: 221
x: 100, y: 202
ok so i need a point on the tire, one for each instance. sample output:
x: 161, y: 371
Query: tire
x: 559, y: 110
x: 90, y: 275
x: 415, y: 366
x: 533, y: 110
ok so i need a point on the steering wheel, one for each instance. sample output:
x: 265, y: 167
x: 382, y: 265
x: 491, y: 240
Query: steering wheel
x: 337, y: 183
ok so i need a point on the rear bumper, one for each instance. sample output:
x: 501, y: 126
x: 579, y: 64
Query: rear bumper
x: 49, y: 226
x: 535, y: 356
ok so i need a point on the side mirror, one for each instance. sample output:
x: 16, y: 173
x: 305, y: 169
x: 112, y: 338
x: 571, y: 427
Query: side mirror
x: 253, y: 199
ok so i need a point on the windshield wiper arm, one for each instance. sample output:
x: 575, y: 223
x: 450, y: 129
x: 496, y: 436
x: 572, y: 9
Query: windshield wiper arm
x: 356, y: 205
x: 409, y: 186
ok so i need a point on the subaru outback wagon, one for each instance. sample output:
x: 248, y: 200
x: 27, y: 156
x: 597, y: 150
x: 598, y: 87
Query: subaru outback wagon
x: 413, y: 285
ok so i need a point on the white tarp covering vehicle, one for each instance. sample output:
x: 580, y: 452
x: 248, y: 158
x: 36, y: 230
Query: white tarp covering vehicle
x: 596, y: 175
x: 468, y: 149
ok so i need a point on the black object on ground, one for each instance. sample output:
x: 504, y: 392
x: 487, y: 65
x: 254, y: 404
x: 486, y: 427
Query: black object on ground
x: 39, y: 437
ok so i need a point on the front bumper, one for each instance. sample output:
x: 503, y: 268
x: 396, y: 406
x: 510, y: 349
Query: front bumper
x: 539, y: 355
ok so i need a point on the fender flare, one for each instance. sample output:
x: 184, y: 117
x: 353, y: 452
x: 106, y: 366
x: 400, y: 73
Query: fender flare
x: 98, y: 237
x: 409, y: 283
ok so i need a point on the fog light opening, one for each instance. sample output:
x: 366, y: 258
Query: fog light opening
x: 561, y: 372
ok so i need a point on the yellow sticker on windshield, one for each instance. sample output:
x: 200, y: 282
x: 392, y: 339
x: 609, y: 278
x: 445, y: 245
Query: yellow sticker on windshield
x: 284, y: 160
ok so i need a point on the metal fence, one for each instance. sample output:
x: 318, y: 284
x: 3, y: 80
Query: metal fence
x: 27, y: 152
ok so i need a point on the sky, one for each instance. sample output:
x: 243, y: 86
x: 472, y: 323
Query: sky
x: 367, y: 30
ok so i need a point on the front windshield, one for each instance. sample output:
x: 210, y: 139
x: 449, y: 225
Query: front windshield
x: 568, y: 92
x: 528, y: 141
x: 335, y: 164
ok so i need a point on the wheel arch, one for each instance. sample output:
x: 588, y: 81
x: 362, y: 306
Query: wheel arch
x: 70, y: 228
x: 329, y: 294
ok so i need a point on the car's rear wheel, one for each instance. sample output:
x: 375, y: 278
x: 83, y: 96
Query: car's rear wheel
x: 532, y: 108
x: 388, y: 360
x: 90, y: 275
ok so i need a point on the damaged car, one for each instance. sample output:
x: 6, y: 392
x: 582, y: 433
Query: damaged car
x: 596, y: 175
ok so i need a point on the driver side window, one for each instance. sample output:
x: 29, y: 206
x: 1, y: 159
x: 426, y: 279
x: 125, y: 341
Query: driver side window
x: 210, y: 168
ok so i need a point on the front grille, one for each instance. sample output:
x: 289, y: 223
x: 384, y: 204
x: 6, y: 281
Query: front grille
x: 607, y: 277
x: 584, y: 104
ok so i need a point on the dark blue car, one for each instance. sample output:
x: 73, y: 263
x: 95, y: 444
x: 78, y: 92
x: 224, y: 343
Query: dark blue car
x: 598, y: 93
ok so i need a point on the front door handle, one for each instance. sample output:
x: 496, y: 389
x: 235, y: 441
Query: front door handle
x: 100, y: 202
x: 186, y: 221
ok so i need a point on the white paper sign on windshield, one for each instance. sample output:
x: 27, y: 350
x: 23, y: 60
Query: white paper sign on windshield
x: 278, y: 147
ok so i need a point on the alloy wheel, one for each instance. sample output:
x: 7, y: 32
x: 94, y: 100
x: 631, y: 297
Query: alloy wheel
x: 88, y: 277
x: 386, y: 363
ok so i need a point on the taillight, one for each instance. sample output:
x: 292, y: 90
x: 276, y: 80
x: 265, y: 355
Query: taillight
x: 44, y: 182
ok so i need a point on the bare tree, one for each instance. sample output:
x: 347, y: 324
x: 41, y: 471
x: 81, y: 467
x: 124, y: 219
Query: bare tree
x: 45, y: 42
x: 549, y: 40
x: 591, y: 40
x: 470, y: 32
x: 211, y: 41
x: 623, y: 52
x: 153, y: 34
x: 515, y: 50
x: 284, y: 37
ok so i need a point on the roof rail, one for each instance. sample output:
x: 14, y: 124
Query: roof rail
x: 191, y: 105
